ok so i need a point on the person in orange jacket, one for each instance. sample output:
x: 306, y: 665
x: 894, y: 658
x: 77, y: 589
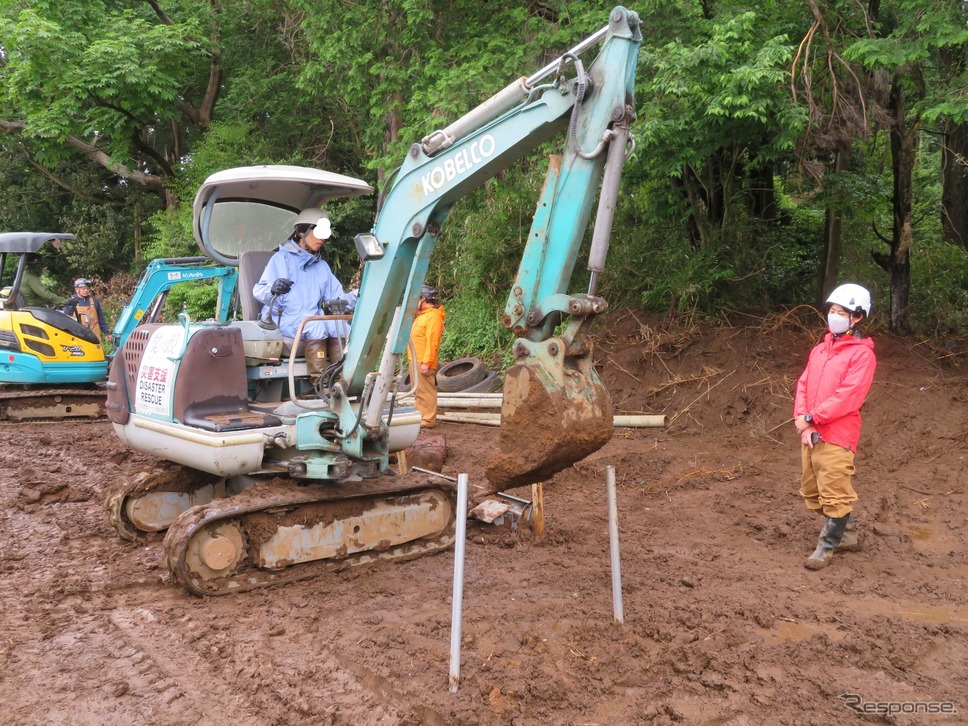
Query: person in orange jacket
x: 425, y: 335
x: 826, y: 411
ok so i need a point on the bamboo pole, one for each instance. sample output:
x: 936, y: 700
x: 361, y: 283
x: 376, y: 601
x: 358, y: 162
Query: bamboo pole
x: 639, y: 421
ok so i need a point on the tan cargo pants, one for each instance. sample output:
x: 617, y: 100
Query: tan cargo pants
x: 426, y: 398
x: 826, y: 482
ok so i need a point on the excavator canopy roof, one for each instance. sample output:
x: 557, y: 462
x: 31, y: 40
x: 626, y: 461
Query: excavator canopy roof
x: 21, y: 243
x: 253, y: 207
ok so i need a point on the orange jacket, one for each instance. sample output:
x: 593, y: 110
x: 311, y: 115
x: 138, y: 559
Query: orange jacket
x: 428, y: 327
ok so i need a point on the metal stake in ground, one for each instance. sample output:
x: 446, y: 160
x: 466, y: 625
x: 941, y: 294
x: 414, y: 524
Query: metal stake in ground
x: 613, y: 545
x: 457, y: 604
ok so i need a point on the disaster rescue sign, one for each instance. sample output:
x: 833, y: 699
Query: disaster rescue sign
x: 156, y: 375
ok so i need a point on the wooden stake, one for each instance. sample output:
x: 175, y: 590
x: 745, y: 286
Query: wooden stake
x: 537, y: 506
x: 402, y: 465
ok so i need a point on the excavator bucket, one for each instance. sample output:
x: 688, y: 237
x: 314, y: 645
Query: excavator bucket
x: 555, y: 412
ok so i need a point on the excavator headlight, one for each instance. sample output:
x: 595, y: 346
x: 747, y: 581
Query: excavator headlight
x: 368, y: 247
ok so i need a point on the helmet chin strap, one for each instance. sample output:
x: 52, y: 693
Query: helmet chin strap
x: 303, y: 246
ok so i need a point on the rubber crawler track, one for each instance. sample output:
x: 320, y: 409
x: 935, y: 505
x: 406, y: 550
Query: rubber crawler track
x: 280, y: 496
x: 28, y: 405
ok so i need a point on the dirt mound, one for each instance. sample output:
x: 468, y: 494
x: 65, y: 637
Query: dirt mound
x: 722, y: 622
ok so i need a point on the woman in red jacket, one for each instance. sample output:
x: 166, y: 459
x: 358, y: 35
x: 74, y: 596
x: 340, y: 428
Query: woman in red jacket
x: 826, y: 411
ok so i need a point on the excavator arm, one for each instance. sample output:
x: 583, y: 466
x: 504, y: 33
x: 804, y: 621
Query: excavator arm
x: 553, y: 378
x: 157, y: 280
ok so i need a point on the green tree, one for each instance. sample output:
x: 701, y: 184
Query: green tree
x: 716, y: 117
x: 107, y: 82
x: 908, y: 40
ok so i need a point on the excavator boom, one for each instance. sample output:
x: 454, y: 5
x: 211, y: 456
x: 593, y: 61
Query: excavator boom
x: 553, y: 387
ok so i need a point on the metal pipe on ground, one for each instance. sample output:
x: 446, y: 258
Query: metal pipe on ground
x: 445, y: 402
x: 461, y: 400
x: 494, y: 419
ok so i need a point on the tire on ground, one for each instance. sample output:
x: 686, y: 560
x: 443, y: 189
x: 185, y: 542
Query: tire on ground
x: 459, y: 374
x: 403, y: 381
x: 488, y: 384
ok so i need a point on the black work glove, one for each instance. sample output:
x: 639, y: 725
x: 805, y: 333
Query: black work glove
x: 281, y: 286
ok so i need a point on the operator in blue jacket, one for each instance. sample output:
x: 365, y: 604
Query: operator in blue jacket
x: 302, y: 282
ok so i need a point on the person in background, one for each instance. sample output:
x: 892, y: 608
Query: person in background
x: 826, y: 411
x: 425, y: 335
x: 87, y: 309
x: 297, y: 282
x: 32, y: 288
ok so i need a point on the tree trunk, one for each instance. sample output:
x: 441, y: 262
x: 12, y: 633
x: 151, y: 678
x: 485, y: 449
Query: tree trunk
x: 137, y: 233
x: 394, y: 122
x: 763, y: 204
x: 695, y: 230
x: 954, y: 180
x: 898, y: 261
x: 832, y: 236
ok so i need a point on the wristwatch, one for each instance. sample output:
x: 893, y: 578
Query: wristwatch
x: 808, y: 417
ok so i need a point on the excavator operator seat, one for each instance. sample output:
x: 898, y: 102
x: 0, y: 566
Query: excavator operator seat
x: 251, y: 266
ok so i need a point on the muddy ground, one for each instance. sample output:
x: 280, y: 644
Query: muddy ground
x: 723, y: 625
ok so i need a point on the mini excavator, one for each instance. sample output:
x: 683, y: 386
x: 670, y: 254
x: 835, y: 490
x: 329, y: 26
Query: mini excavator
x: 49, y: 363
x: 266, y: 485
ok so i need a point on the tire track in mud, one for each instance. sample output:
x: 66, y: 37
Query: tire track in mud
x: 113, y: 680
x: 185, y: 683
x: 262, y: 676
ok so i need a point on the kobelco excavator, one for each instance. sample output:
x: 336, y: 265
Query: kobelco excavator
x: 271, y: 485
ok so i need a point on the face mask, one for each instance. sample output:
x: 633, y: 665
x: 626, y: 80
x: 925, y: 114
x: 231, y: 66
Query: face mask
x: 837, y: 323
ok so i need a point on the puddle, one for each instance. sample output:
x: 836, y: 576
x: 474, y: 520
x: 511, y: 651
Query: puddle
x: 936, y: 614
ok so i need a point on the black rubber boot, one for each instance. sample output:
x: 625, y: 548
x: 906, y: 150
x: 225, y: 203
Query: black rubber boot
x: 849, y: 542
x: 830, y: 536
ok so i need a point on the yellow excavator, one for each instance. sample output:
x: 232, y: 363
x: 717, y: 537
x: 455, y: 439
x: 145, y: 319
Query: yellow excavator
x: 49, y: 362
x: 266, y: 485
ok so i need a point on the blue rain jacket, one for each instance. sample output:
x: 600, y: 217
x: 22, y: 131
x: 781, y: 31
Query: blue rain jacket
x: 313, y: 283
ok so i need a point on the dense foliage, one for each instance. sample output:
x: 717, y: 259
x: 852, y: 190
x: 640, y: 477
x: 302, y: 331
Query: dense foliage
x: 781, y: 147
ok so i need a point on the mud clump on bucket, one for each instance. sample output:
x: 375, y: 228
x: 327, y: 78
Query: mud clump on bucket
x: 545, y: 431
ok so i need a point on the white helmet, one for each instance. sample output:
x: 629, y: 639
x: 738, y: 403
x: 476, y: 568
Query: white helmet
x: 315, y: 217
x: 852, y: 297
